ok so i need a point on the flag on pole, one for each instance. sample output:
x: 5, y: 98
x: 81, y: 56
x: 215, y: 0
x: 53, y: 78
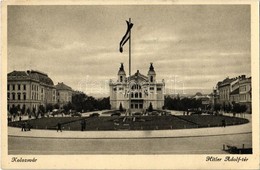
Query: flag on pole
x: 126, y: 36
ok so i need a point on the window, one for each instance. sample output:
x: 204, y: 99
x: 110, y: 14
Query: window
x: 121, y: 78
x: 13, y: 96
x: 151, y: 88
x: 13, y: 86
x: 8, y: 87
x: 24, y: 86
x: 136, y: 87
x: 132, y: 95
x: 151, y: 78
x: 132, y: 106
x: 136, y: 106
x: 8, y: 96
x: 140, y: 95
x: 136, y: 95
x: 19, y: 87
x: 24, y: 96
x: 159, y: 89
x: 19, y: 96
x: 140, y: 106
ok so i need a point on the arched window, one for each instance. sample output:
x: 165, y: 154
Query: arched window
x: 151, y: 78
x: 140, y: 95
x: 136, y: 87
x: 121, y: 78
x: 132, y: 94
x: 136, y: 95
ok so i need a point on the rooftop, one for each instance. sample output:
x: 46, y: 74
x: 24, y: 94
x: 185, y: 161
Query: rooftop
x: 62, y: 86
x: 30, y: 75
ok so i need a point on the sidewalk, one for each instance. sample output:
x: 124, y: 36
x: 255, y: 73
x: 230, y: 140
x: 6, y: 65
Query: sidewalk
x: 178, y: 133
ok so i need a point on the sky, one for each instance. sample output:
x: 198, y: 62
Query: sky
x: 192, y: 47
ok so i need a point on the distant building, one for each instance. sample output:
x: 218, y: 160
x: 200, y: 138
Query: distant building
x: 143, y: 90
x: 206, y: 100
x: 64, y: 94
x: 29, y: 89
x: 234, y: 90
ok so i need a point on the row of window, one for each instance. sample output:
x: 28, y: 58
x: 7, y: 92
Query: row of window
x: 242, y: 88
x: 19, y: 86
x: 137, y: 88
x: 35, y: 87
x: 17, y: 96
x: 23, y: 87
x: 224, y: 94
x: 136, y: 95
x: 23, y: 96
x: 136, y: 106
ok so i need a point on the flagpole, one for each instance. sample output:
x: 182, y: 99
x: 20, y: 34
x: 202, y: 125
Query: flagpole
x: 129, y: 68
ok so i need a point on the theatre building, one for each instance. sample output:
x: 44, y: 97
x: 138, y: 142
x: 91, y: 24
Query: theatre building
x: 142, y: 89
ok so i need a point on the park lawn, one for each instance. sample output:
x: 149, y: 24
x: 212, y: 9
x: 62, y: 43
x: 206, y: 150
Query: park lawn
x: 213, y: 121
x: 140, y: 123
x: 45, y: 123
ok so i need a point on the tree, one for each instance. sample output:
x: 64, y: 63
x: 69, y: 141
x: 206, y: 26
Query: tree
x: 14, y: 110
x: 243, y: 108
x: 42, y: 109
x: 23, y: 109
x: 69, y: 106
x: 103, y: 103
x: 237, y: 108
x: 217, y: 107
x: 28, y: 111
x: 56, y: 106
x: 78, y: 99
x: 150, y: 108
x: 36, y: 114
x: 49, y: 107
x: 121, y: 107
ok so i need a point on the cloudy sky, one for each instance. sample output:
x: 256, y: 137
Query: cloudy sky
x: 192, y: 47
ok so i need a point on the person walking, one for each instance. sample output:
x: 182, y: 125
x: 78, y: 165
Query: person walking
x: 223, y: 123
x: 23, y: 127
x: 83, y: 125
x: 59, y: 127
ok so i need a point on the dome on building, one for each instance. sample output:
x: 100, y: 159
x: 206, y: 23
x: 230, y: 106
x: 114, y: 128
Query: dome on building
x: 121, y: 70
x: 151, y: 70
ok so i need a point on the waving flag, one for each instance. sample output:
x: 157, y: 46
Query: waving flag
x: 126, y: 36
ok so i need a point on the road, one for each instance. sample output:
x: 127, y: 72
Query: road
x: 175, y: 145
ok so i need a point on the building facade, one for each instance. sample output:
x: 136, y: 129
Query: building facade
x: 27, y: 90
x: 235, y: 90
x: 64, y: 94
x: 245, y: 92
x: 139, y: 89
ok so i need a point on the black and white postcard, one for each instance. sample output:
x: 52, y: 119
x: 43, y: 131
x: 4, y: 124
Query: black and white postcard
x: 130, y: 85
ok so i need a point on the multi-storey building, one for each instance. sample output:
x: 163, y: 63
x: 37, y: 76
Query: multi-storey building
x: 64, y: 94
x: 27, y: 90
x: 143, y: 91
x: 245, y: 92
x: 235, y: 90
